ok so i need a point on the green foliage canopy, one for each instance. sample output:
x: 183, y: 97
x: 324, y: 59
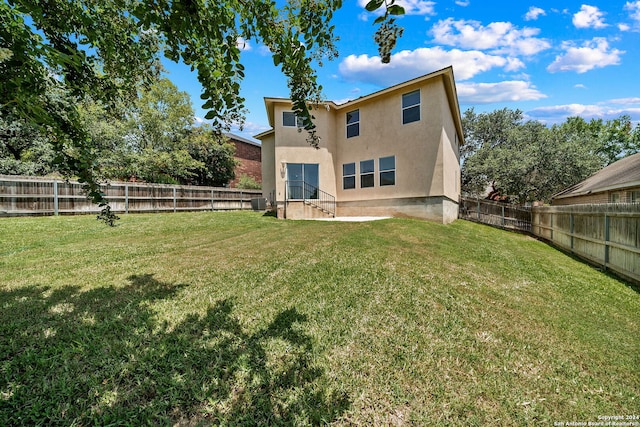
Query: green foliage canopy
x: 529, y: 161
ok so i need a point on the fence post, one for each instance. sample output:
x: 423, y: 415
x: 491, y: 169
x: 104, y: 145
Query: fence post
x: 126, y: 198
x: 551, y: 222
x: 174, y: 199
x: 606, y: 240
x: 241, y: 200
x: 55, y: 197
x: 571, y: 228
x: 503, y: 221
x: 212, y: 201
x: 478, y: 210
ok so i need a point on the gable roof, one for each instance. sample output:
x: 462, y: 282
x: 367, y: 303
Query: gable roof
x: 446, y: 74
x: 621, y: 174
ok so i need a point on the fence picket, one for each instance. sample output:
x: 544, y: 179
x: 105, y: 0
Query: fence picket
x: 607, y: 235
x: 21, y: 195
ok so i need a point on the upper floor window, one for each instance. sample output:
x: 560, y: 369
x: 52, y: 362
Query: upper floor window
x: 348, y: 176
x: 614, y: 198
x: 367, y: 169
x: 289, y: 119
x: 634, y: 197
x: 353, y: 123
x: 411, y: 107
x: 387, y: 170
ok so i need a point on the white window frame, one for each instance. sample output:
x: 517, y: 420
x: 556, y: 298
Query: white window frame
x: 372, y: 173
x: 418, y: 104
x: 381, y: 171
x: 298, y: 120
x: 354, y: 176
x: 354, y: 124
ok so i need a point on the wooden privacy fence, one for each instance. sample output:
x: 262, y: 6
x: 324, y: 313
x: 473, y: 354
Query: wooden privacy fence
x: 21, y: 195
x: 607, y: 234
x: 495, y: 213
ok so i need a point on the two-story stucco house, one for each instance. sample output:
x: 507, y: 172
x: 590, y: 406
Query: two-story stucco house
x: 392, y: 153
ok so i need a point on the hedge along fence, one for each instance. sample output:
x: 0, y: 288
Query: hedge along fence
x: 21, y: 195
x: 607, y: 235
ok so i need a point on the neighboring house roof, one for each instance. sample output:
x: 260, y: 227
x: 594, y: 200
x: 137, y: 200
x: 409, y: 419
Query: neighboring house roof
x: 621, y: 174
x: 449, y: 84
x: 241, y: 139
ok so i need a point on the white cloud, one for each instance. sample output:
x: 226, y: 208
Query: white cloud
x: 625, y: 101
x: 411, y: 7
x: 634, y: 10
x: 463, y: 3
x: 342, y: 100
x: 249, y: 129
x: 534, y: 13
x: 589, y: 17
x: 243, y: 44
x: 506, y: 91
x: 559, y: 113
x: 408, y: 64
x: 593, y: 54
x: 634, y: 14
x: 264, y: 50
x: 579, y: 86
x: 498, y: 37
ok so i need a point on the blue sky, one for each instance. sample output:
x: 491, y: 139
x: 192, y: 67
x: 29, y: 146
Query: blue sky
x: 550, y: 59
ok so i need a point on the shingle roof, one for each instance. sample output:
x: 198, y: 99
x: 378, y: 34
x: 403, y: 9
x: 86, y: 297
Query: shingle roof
x: 623, y: 173
x: 241, y: 139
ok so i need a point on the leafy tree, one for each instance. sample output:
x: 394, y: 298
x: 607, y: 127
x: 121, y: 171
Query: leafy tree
x: 216, y: 155
x: 529, y: 161
x: 161, y: 118
x: 108, y: 50
x: 24, y: 150
x: 248, y: 183
x: 618, y: 139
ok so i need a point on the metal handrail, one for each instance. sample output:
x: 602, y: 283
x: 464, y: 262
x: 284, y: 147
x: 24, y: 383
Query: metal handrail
x: 310, y: 194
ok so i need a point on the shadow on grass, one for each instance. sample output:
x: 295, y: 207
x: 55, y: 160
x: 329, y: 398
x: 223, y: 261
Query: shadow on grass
x: 101, y: 357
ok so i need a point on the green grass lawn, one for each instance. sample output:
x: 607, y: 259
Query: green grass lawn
x: 240, y: 318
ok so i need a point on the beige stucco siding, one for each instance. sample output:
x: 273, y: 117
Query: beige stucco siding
x: 427, y: 171
x: 415, y: 145
x: 450, y: 155
x: 268, y: 167
x: 291, y: 146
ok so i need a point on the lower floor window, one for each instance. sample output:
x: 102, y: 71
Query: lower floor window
x: 387, y: 170
x: 348, y: 176
x: 367, y: 176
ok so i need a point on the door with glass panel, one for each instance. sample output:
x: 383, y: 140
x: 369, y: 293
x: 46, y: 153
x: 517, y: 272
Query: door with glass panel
x: 302, y: 181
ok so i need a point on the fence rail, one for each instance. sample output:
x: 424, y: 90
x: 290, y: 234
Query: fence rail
x: 495, y: 213
x: 607, y: 235
x: 21, y: 195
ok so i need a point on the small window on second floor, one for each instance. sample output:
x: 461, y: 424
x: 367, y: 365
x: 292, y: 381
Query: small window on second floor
x: 289, y: 119
x: 353, y: 123
x: 411, y: 107
x: 634, y: 197
x: 614, y: 198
